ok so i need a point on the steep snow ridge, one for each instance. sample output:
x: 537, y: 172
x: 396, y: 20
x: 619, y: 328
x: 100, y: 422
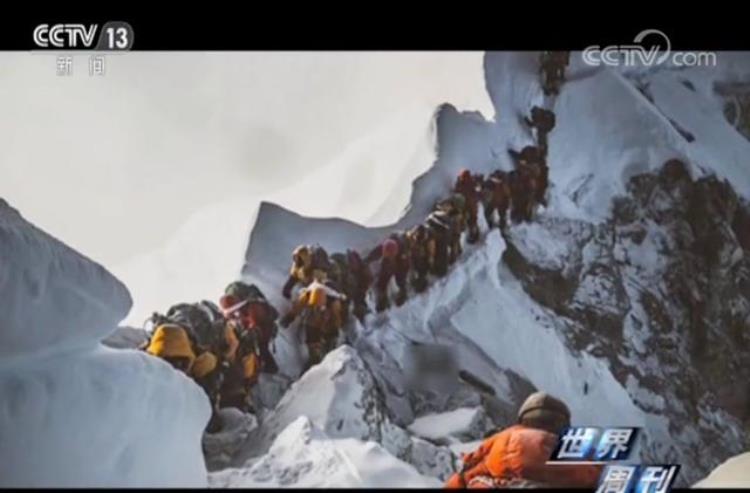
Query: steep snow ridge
x: 606, y: 133
x: 100, y: 418
x: 459, y: 140
x: 304, y: 456
x: 344, y: 403
x: 600, y: 112
x: 387, y: 341
x: 278, y: 232
x: 340, y: 397
x: 512, y: 334
x: 468, y: 140
x: 74, y: 413
x: 512, y: 81
x: 52, y: 295
x: 464, y: 141
x: 718, y: 147
x: 515, y: 334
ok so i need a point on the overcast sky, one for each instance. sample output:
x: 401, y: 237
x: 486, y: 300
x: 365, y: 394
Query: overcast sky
x: 113, y: 165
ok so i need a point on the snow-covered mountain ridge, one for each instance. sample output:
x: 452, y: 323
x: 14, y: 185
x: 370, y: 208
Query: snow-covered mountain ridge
x: 595, y: 301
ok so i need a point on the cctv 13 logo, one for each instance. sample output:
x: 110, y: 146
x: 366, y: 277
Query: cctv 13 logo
x: 114, y: 36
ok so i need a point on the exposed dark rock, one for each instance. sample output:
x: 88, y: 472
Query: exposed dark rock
x: 672, y: 267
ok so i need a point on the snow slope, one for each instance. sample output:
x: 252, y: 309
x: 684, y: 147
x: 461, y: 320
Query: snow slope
x: 494, y: 326
x: 467, y: 139
x: 126, y: 338
x: 369, y: 399
x: 101, y: 417
x: 458, y: 424
x: 304, y: 456
x: 74, y: 413
x: 52, y: 295
x: 718, y: 147
x: 628, y: 137
x: 340, y: 397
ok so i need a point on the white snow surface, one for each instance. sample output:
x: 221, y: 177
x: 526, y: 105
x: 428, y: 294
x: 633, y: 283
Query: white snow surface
x: 339, y: 398
x: 304, y: 456
x: 335, y: 395
x: 102, y: 417
x: 52, y: 296
x: 451, y: 424
x: 126, y: 338
x: 733, y: 473
x: 73, y: 412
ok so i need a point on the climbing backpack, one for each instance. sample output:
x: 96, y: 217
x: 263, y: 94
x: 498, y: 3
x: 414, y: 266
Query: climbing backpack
x: 319, y: 258
x: 320, y: 263
x: 439, y: 221
x: 244, y: 291
x: 401, y: 238
x: 544, y: 119
x: 338, y: 273
x: 203, y: 321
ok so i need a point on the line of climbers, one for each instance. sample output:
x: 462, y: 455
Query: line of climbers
x: 516, y: 457
x: 224, y: 348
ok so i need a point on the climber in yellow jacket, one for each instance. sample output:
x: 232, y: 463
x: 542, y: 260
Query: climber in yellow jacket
x: 172, y: 343
x: 309, y: 263
x: 321, y: 310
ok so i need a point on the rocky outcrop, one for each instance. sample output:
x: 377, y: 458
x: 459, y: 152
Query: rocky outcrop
x: 661, y: 291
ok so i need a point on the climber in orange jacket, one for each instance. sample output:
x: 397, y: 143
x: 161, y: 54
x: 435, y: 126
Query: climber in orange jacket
x: 519, y: 454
